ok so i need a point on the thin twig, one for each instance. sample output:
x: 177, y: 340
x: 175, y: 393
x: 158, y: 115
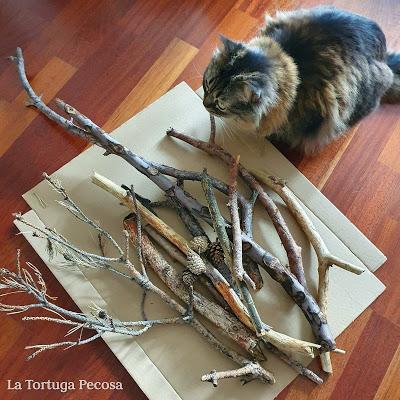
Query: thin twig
x: 237, y: 256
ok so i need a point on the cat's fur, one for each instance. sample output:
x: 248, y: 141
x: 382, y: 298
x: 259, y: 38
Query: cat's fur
x: 305, y: 78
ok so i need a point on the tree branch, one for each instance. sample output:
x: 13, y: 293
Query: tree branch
x: 325, y: 258
x: 248, y: 372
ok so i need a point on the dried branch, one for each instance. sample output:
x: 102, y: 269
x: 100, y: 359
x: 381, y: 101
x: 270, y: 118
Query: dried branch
x: 212, y: 129
x: 36, y: 101
x: 247, y: 214
x: 220, y: 229
x: 237, y: 260
x: 250, y: 266
x: 323, y: 254
x: 78, y: 213
x: 325, y: 258
x: 297, y: 366
x: 100, y: 322
x: 248, y: 372
x: 111, y: 325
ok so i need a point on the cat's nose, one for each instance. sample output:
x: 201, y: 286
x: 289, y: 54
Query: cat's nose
x: 208, y: 102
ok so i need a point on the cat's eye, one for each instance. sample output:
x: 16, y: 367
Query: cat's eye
x: 220, y: 105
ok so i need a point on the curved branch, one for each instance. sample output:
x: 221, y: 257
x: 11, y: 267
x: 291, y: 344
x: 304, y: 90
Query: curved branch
x: 325, y: 258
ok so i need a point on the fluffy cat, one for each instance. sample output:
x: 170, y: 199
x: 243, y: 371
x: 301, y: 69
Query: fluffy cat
x: 305, y: 78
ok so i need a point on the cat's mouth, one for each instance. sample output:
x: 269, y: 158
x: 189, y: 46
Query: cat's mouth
x: 214, y: 112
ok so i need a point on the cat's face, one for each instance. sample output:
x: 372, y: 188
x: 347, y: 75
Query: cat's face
x: 235, y: 80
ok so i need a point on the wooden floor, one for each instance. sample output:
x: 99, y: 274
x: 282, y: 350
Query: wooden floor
x: 112, y: 58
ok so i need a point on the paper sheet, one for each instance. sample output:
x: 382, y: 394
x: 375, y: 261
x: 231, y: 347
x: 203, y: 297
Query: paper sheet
x: 174, y: 358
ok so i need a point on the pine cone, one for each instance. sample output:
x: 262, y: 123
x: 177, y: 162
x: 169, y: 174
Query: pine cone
x: 194, y: 263
x: 199, y: 244
x: 215, y: 253
x: 188, y: 278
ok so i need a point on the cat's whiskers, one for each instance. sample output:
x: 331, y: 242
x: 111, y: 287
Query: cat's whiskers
x: 224, y: 129
x: 197, y: 70
x: 230, y: 133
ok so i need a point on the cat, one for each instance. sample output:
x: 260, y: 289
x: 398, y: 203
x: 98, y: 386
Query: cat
x: 305, y: 78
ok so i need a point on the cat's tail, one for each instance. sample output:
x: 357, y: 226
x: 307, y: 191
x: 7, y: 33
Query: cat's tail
x: 393, y: 93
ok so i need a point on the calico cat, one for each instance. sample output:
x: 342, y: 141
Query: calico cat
x: 305, y: 78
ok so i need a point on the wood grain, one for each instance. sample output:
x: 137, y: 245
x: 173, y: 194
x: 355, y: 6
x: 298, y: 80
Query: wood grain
x: 154, y: 83
x: 110, y: 59
x: 389, y: 388
x: 16, y: 117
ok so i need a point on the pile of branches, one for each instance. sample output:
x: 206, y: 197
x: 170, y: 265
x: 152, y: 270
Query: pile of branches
x: 226, y: 267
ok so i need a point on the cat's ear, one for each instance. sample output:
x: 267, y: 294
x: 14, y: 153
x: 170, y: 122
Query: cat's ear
x: 229, y: 46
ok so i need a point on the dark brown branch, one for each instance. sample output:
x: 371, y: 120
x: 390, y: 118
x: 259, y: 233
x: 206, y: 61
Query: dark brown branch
x: 295, y: 290
x: 212, y: 129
